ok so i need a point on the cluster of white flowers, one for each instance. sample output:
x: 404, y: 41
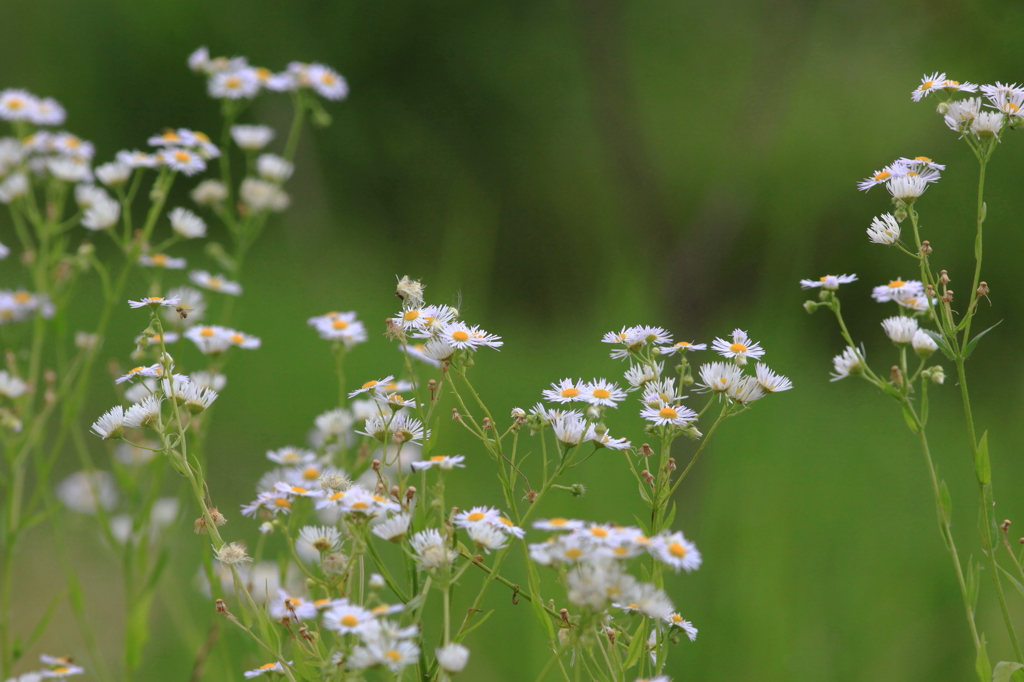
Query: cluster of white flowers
x: 235, y: 78
x: 57, y: 667
x: 17, y: 306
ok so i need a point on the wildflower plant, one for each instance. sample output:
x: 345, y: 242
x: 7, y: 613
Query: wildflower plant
x: 924, y: 318
x: 361, y: 569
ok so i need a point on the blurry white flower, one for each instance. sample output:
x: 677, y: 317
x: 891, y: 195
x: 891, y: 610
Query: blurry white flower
x: 114, y: 173
x: 17, y: 105
x: 923, y: 344
x: 452, y: 657
x: 829, y: 282
x: 10, y: 385
x: 240, y: 84
x: 431, y: 550
x: 232, y: 553
x: 393, y: 529
x: 186, y: 223
x: 215, y: 282
x: 261, y: 195
x: 102, y: 214
x: 13, y: 187
x: 83, y: 491
x: 162, y: 260
x: 182, y: 160
x: 850, y: 361
x: 327, y: 82
x: 209, y: 193
x: 900, y: 329
x: 110, y: 424
x: 250, y: 137
x: 274, y: 168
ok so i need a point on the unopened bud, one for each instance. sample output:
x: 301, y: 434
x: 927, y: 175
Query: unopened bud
x: 1005, y: 525
x: 578, y: 489
x: 375, y: 465
x: 938, y: 375
x: 486, y: 424
x: 900, y: 214
x: 944, y: 277
x: 518, y: 413
x: 376, y: 581
x: 410, y: 493
x: 983, y: 289
x: 564, y: 614
x: 926, y: 248
x: 942, y: 108
x: 671, y: 466
x: 811, y: 307
x: 455, y: 414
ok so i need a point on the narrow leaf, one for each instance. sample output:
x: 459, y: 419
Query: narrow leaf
x: 945, y: 502
x: 974, y: 342
x: 637, y: 645
x: 982, y: 467
x: 1004, y: 671
x: 43, y: 621
x: 940, y: 341
x: 911, y: 422
x: 981, y: 664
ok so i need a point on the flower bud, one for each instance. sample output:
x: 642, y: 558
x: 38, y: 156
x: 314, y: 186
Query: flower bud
x: 924, y: 345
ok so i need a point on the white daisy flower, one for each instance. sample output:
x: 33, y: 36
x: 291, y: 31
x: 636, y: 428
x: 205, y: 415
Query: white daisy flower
x: 920, y: 163
x: 474, y: 516
x: 11, y: 386
x: 740, y: 349
x: 669, y: 415
x: 662, y: 391
x: 565, y: 391
x: 487, y: 537
x: 676, y: 551
x: 442, y: 462
x: 897, y: 289
x: 452, y: 657
x: 605, y: 440
x: 83, y: 491
x: 260, y: 195
x: 558, y: 523
x: 327, y: 82
x: 374, y: 386
x: 240, y: 84
x: 603, y: 393
x: 345, y: 618
x: 568, y: 428
x: 719, y: 376
x: 988, y: 124
x: 5, y: 251
x: 961, y: 113
x: 274, y: 168
x: 182, y: 160
x: 215, y: 282
x: 209, y: 380
x: 162, y: 260
x: 199, y: 60
x: 675, y: 620
x: 879, y: 178
x: 682, y: 347
x: 190, y: 304
x: 395, y: 654
x: 460, y: 335
x: 272, y: 501
x: 114, y: 173
x: 17, y: 105
x: 186, y: 223
x: 210, y: 340
x: 208, y: 193
x: 13, y: 187
x: 829, y: 282
x: 850, y: 361
x: 321, y: 538
x: 144, y: 371
x: 71, y: 145
x: 242, y: 340
x: 929, y: 84
x: 907, y: 188
x: 438, y: 350
x: 431, y: 550
x: 394, y: 529
x: 291, y: 456
x: 48, y: 112
x: 291, y: 608
x: 69, y: 169
x: 275, y: 667
x: 143, y: 414
x: 197, y: 399
x: 425, y: 319
x: 923, y: 344
x: 154, y: 302
x: 102, y: 214
x: 900, y: 329
x: 110, y: 424
x: 884, y: 229
x: 746, y: 391
x: 137, y: 159
x: 638, y: 376
x: 770, y: 381
x: 342, y: 328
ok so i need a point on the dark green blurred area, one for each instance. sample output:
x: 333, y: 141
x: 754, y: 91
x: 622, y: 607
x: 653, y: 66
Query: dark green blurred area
x: 569, y: 168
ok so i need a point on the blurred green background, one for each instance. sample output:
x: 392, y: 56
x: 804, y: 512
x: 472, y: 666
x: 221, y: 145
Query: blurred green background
x: 568, y: 168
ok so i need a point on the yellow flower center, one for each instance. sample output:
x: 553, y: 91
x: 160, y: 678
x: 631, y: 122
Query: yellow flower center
x: 599, y: 532
x: 262, y: 73
x: 299, y: 491
x: 683, y: 344
x: 237, y: 338
x: 72, y: 142
x: 667, y: 413
x: 922, y: 159
x: 570, y: 392
x: 437, y: 458
x: 202, y: 137
x: 183, y: 157
x: 601, y: 393
x: 460, y: 335
x: 392, y: 655
x: 505, y: 521
x: 350, y: 621
x: 897, y: 283
x: 267, y: 666
x: 359, y: 505
x: 327, y: 78
x: 233, y: 82
x: 311, y: 473
x: 573, y: 553
x: 155, y: 299
x: 410, y: 315
x: 320, y: 603
x: 15, y: 103
x: 283, y: 503
x: 159, y: 259
x: 369, y: 384
x: 339, y: 324
x: 884, y: 175
x: 677, y: 550
x: 170, y: 136
x: 215, y: 283
x: 641, y: 540
x: 379, y: 610
x: 738, y: 348
x: 1011, y: 108
x: 621, y: 551
x: 926, y: 85
x: 952, y: 83
x: 336, y: 496
x: 475, y: 516
x: 135, y: 370
x: 676, y: 618
x: 557, y: 522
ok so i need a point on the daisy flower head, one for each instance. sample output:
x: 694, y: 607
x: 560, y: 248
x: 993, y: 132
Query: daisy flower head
x: 675, y: 620
x: 462, y: 336
x: 210, y: 340
x: 110, y: 424
x: 682, y: 347
x: 1008, y: 102
x: 137, y: 159
x: 321, y: 538
x: 252, y: 137
x: 770, y: 381
x: 154, y: 302
x: 393, y: 529
x: 558, y: 523
x: 662, y: 391
x: 884, y: 229
x: 487, y: 537
x: 274, y: 667
x: 209, y: 193
x: 628, y: 337
x: 190, y: 308
x: 170, y: 137
x: 102, y: 214
x: 746, y: 390
x: 215, y: 283
x: 291, y: 456
x: 568, y: 428
x: 924, y: 345
x: 60, y: 667
x: 345, y: 618
x: 907, y: 188
x: 17, y: 105
x: 988, y: 124
x: 327, y: 82
x: 114, y: 173
x: 476, y: 515
x: 186, y: 223
x: 667, y: 414
x: 182, y: 160
x: 239, y: 84
x: 261, y: 195
x: 740, y: 349
x: 847, y: 363
x: 442, y: 462
x: 71, y: 145
x: 432, y: 551
x: 143, y: 414
x: 719, y: 376
x: 291, y: 608
x: 915, y: 301
x: 897, y: 289
x: 162, y: 260
x: 343, y: 327
x: 15, y: 186
x: 426, y: 319
x: 452, y: 657
x: 374, y: 386
x: 652, y: 335
x: 242, y: 340
x: 604, y: 439
x: 676, y: 551
x: 829, y: 282
x: 69, y: 168
x: 638, y: 376
x: 900, y: 329
x: 274, y: 168
x: 880, y: 177
x: 602, y: 393
x: 961, y: 113
x: 150, y: 371
x: 197, y: 399
x: 929, y: 84
x: 271, y: 501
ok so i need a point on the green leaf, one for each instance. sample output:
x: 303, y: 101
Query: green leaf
x: 537, y: 603
x: 477, y: 622
x: 41, y: 625
x: 1005, y: 671
x: 944, y: 502
x: 137, y: 631
x: 982, y: 467
x: 974, y: 342
x: 940, y: 341
x: 981, y: 664
x: 671, y: 516
x: 636, y: 645
x: 911, y: 422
